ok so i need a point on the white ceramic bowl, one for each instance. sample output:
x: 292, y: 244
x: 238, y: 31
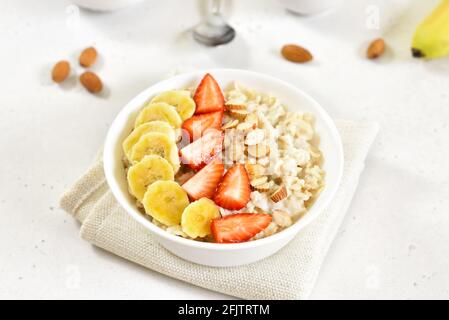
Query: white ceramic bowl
x: 214, y: 254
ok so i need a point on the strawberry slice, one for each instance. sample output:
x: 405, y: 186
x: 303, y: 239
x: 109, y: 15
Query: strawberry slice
x: 201, y: 151
x: 234, y: 190
x: 208, y: 96
x: 198, y: 124
x: 205, y: 181
x: 239, y: 227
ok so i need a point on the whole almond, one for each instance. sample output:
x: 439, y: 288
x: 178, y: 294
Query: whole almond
x: 91, y: 82
x: 375, y: 49
x: 88, y: 57
x: 295, y: 53
x: 61, y: 71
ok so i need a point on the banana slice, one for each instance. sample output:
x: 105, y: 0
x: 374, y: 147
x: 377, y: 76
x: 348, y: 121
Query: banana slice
x: 158, y: 144
x: 152, y: 126
x: 165, y: 201
x: 159, y: 111
x: 180, y: 99
x: 197, y: 216
x: 152, y: 168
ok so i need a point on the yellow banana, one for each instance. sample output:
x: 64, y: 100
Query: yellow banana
x: 431, y: 39
x: 165, y: 201
x: 150, y: 169
x: 196, y: 218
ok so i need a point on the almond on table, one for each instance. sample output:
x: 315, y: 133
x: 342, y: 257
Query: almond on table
x: 91, y: 82
x: 61, y: 71
x: 88, y: 57
x: 295, y: 53
x: 375, y: 49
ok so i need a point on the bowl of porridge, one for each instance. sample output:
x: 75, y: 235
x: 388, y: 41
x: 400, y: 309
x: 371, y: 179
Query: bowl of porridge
x: 223, y: 167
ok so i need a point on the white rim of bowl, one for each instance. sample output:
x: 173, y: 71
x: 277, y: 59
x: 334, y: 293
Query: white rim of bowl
x: 108, y: 163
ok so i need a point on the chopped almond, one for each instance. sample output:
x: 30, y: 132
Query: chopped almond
x: 279, y: 194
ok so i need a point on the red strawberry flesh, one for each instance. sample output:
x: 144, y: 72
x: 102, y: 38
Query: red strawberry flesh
x: 233, y: 192
x: 239, y: 227
x: 198, y: 124
x: 200, y: 152
x: 205, y: 181
x: 208, y: 96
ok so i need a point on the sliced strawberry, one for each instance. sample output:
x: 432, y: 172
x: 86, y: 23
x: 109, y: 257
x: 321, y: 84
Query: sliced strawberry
x: 234, y: 190
x: 205, y: 181
x: 208, y: 96
x: 239, y: 227
x: 198, y: 124
x: 201, y: 151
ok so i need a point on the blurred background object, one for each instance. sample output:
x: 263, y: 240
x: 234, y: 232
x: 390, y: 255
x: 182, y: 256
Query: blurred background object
x: 214, y: 30
x: 309, y: 6
x: 104, y: 5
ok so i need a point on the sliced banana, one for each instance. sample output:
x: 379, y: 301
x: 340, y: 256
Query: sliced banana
x: 159, y: 111
x: 158, y: 144
x: 152, y: 168
x: 180, y: 99
x: 152, y: 126
x: 165, y: 201
x: 197, y: 217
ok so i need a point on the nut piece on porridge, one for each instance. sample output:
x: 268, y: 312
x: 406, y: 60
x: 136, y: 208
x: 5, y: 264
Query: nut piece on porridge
x: 252, y: 118
x: 259, y: 181
x: 254, y: 170
x: 230, y: 124
x: 245, y: 127
x: 234, y: 107
x: 265, y: 187
x: 279, y: 194
x: 259, y: 150
x: 282, y: 218
x: 239, y: 114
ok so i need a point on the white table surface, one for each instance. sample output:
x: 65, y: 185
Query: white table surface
x: 394, y: 242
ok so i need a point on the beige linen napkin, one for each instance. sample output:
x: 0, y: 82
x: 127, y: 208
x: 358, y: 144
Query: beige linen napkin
x: 289, y: 274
